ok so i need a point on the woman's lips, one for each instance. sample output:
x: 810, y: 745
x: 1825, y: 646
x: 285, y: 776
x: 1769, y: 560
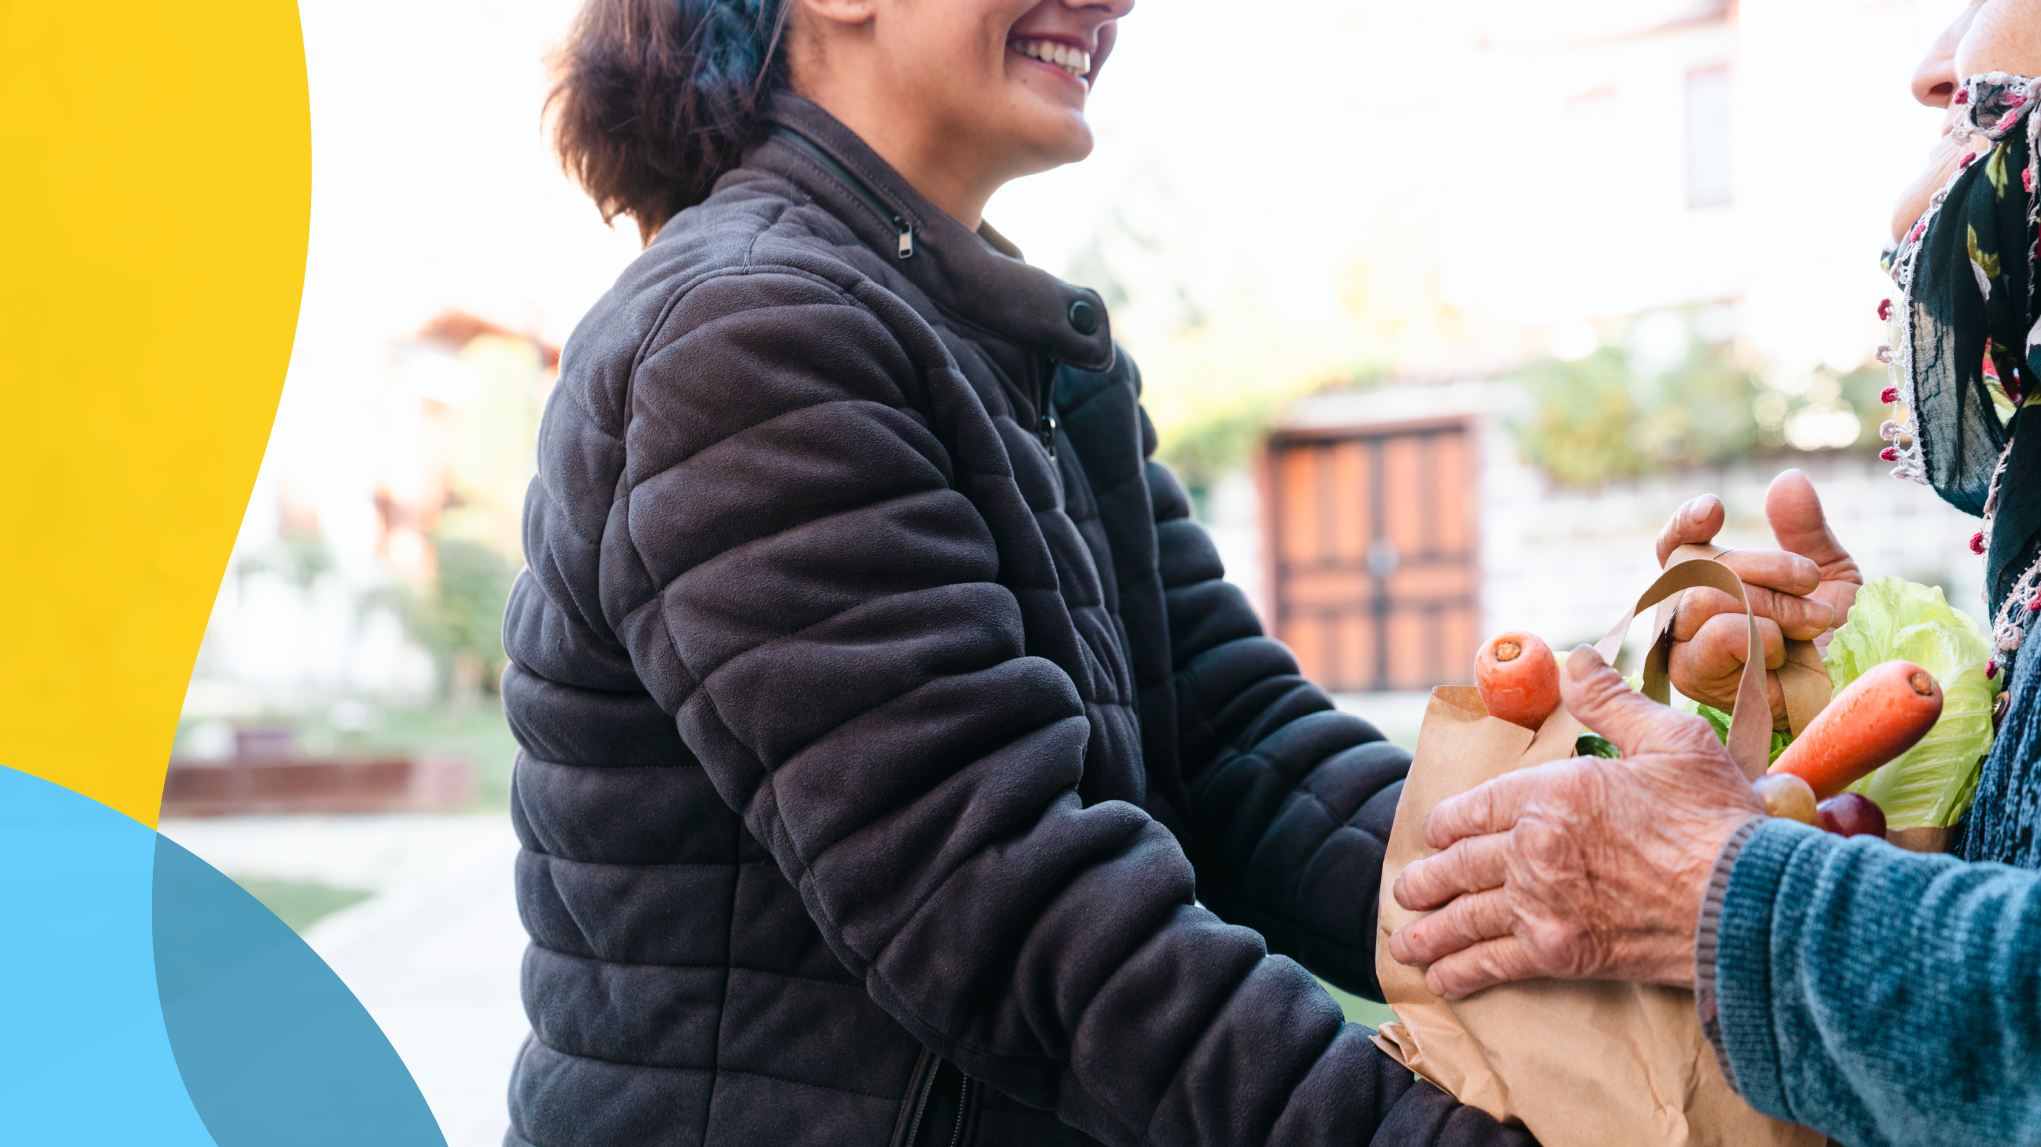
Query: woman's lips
x: 1071, y: 60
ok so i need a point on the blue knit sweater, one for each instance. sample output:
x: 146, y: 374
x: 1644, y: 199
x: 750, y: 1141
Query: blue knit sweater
x: 2003, y: 820
x: 1885, y: 998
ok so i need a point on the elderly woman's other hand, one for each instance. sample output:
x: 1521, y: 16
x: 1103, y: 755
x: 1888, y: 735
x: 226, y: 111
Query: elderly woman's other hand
x: 1580, y: 869
x: 1802, y: 590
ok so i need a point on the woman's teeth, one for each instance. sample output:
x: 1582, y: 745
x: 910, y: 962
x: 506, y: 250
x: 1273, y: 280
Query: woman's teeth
x: 1076, y: 61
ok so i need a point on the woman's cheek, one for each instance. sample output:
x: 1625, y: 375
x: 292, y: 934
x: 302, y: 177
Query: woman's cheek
x: 2004, y: 37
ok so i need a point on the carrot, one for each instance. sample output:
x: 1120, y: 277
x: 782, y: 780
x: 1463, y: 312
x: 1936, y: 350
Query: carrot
x: 1881, y: 715
x: 1518, y: 678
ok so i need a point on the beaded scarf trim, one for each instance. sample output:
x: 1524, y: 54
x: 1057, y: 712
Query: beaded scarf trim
x: 1995, y: 103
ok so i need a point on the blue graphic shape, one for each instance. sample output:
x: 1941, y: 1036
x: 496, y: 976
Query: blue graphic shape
x: 84, y: 1055
x: 273, y: 1047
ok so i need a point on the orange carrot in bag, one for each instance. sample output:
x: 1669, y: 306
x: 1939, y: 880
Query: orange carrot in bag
x: 1881, y: 715
x: 1518, y: 678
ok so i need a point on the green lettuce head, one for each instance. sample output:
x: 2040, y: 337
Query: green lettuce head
x: 1931, y: 784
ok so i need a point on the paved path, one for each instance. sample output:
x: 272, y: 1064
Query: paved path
x: 433, y: 955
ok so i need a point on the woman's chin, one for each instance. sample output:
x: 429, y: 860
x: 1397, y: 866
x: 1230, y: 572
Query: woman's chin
x: 1072, y: 143
x: 1943, y: 163
x: 1055, y: 129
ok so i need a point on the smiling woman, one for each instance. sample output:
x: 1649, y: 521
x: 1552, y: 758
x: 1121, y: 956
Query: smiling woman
x: 898, y: 766
x: 656, y: 98
x: 1008, y: 100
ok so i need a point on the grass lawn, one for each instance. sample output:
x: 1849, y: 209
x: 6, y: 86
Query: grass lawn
x: 1361, y: 1011
x: 476, y: 731
x: 299, y: 903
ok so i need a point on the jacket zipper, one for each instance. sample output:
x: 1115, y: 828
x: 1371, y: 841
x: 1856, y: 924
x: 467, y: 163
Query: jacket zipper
x: 925, y: 1089
x: 963, y: 1109
x: 827, y: 162
x: 1046, y: 425
x: 921, y: 1091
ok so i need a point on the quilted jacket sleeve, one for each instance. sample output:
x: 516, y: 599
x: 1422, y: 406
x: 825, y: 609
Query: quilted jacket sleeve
x: 1291, y: 800
x: 800, y: 580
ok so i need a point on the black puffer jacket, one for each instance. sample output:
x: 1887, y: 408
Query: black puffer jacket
x: 878, y: 733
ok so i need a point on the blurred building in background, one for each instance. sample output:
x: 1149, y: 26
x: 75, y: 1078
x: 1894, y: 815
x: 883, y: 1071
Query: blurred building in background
x: 449, y: 259
x: 384, y: 578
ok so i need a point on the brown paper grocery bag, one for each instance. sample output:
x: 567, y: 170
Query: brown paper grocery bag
x: 1579, y: 1064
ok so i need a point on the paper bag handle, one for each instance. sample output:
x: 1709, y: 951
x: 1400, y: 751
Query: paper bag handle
x: 1803, y: 679
x: 1750, y: 727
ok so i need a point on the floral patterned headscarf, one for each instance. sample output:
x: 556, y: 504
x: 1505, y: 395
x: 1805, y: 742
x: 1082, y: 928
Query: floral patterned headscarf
x: 1964, y: 359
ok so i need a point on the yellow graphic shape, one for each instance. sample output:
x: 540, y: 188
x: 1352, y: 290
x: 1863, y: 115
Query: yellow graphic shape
x: 155, y: 200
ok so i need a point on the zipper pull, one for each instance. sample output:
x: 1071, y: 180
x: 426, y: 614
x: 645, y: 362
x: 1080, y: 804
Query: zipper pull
x: 1047, y: 429
x: 906, y: 237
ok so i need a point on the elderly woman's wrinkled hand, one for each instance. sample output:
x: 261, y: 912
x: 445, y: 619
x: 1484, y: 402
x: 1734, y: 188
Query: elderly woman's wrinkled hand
x: 1580, y: 869
x: 1802, y: 590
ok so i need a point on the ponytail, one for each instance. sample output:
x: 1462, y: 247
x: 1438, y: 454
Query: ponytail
x: 653, y: 99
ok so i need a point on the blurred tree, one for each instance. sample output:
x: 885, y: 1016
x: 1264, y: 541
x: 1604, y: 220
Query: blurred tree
x: 492, y: 441
x: 459, y: 617
x: 300, y: 559
x: 1863, y: 390
x: 1579, y: 430
x: 490, y: 459
x: 1599, y: 418
x: 1213, y: 442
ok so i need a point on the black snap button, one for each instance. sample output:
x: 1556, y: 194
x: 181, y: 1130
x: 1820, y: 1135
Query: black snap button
x: 1084, y: 317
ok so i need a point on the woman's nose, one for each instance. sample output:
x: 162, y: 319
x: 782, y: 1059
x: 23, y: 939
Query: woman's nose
x: 1934, y: 82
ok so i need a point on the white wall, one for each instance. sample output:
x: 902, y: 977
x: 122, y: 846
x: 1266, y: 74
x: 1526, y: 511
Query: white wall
x: 1565, y: 562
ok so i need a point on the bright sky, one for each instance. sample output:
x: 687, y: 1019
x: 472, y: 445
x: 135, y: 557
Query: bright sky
x: 431, y: 183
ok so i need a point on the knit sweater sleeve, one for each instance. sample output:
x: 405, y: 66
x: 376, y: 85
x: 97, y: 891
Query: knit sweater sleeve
x: 1885, y: 998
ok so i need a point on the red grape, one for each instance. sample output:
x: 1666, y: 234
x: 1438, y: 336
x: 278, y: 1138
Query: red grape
x: 1851, y: 814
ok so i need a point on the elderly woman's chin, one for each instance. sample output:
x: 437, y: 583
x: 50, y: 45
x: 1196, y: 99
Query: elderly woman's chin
x: 1943, y: 162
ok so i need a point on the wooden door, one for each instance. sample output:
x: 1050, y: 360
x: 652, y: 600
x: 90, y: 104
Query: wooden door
x: 1374, y: 545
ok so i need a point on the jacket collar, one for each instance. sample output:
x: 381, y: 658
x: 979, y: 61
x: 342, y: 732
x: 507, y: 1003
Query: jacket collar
x: 977, y: 276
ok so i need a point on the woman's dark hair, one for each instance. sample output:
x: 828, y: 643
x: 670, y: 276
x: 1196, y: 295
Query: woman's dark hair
x: 653, y: 99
